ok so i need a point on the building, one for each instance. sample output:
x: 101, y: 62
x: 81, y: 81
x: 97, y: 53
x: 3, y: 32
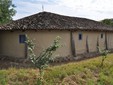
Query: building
x: 78, y: 35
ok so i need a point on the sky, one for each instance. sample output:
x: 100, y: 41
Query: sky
x: 91, y: 9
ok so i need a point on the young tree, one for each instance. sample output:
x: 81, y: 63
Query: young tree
x: 7, y: 11
x: 42, y: 61
x: 104, y: 54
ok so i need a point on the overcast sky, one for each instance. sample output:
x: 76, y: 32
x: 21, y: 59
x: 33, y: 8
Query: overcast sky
x: 92, y: 9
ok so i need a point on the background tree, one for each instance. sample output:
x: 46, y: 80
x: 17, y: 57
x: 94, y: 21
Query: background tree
x: 7, y: 11
x: 108, y: 21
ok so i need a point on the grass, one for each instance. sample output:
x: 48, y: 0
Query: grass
x: 86, y: 72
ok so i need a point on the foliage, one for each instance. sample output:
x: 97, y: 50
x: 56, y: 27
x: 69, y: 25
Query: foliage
x: 7, y: 11
x: 108, y: 21
x: 104, y: 54
x: 2, y: 78
x: 42, y: 61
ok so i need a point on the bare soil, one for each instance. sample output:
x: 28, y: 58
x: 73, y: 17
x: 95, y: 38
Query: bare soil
x: 8, y: 62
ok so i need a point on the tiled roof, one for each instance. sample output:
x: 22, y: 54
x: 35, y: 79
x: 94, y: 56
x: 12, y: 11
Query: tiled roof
x: 52, y: 21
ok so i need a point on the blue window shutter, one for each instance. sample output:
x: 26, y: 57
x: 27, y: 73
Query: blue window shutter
x: 22, y: 38
x: 101, y: 35
x: 80, y: 36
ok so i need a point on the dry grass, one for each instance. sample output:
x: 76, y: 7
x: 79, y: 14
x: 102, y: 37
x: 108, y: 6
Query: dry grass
x: 85, y: 72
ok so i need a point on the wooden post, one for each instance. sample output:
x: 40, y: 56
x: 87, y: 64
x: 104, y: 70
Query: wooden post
x: 26, y: 47
x: 106, y: 44
x: 73, y: 50
x: 98, y: 44
x: 87, y: 45
x: 25, y: 50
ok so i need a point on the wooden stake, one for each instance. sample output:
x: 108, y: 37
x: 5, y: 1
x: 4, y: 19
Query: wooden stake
x: 73, y: 50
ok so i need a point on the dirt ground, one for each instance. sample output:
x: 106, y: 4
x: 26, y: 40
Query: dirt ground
x: 6, y: 62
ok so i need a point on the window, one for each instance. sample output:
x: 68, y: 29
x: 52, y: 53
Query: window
x: 101, y: 35
x: 22, y: 38
x: 80, y: 36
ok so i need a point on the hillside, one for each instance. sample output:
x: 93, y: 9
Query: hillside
x: 86, y: 72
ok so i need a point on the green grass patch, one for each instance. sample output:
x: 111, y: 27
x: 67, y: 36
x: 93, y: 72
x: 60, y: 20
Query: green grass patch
x: 86, y: 72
